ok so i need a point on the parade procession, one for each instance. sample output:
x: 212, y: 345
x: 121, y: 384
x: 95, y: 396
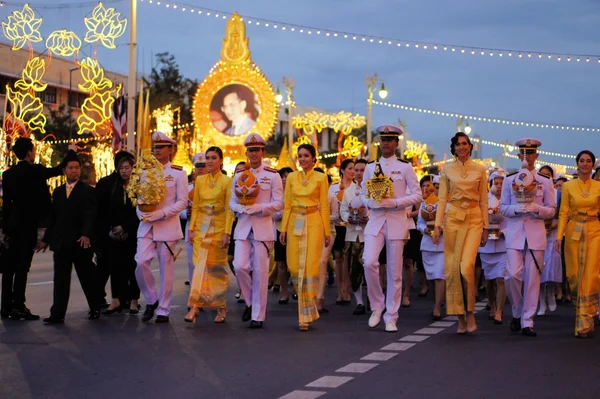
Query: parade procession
x: 220, y: 217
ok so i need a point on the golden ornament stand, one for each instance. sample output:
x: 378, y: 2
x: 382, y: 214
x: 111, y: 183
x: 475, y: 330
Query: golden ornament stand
x: 235, y: 69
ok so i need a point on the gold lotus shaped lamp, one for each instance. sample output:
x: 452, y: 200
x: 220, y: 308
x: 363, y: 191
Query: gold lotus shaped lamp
x: 379, y: 186
x: 247, y: 188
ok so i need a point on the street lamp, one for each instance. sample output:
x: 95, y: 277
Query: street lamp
x: 468, y: 129
x: 278, y: 96
x: 371, y: 81
x: 69, y: 100
x: 289, y: 88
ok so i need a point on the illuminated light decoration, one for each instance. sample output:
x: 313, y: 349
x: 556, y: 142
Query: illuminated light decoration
x: 28, y: 109
x: 43, y: 152
x: 63, y: 42
x: 93, y: 76
x: 103, y: 159
x: 398, y: 43
x: 418, y: 151
x: 560, y: 168
x: 31, y: 76
x: 104, y: 26
x: 164, y: 119
x: 301, y: 140
x: 234, y: 68
x: 95, y: 112
x: 22, y: 28
x: 490, y: 119
x: 352, y: 146
x: 511, y: 148
x: 343, y: 122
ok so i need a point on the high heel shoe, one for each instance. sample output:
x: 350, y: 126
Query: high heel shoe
x: 303, y: 326
x: 192, y: 315
x: 221, y: 316
x: 109, y: 311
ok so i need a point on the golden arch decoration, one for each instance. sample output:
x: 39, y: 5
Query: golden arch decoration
x: 235, y: 99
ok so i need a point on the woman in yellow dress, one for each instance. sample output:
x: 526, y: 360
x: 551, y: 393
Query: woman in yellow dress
x: 305, y: 230
x: 463, y: 185
x: 210, y: 231
x: 578, y: 223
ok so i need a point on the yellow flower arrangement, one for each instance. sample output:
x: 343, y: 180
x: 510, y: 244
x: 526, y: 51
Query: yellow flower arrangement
x: 147, y: 187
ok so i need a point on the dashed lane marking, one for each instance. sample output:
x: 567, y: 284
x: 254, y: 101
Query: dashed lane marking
x: 414, y: 338
x: 357, y: 368
x: 429, y: 331
x: 379, y: 356
x: 398, y: 346
x: 442, y: 324
x: 299, y: 394
x: 329, y: 381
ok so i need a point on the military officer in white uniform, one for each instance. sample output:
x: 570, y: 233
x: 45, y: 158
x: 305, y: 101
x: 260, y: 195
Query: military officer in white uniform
x: 255, y: 230
x: 199, y: 161
x: 159, y: 232
x: 388, y: 225
x: 526, y: 235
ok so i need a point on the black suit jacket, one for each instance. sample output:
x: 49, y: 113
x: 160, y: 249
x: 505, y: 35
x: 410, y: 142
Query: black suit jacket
x: 26, y: 197
x: 71, y: 218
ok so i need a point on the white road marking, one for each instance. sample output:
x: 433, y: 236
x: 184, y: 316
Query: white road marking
x: 451, y: 318
x: 414, y: 338
x: 329, y: 381
x: 379, y: 356
x: 358, y: 368
x: 429, y: 331
x: 298, y: 394
x: 442, y: 324
x: 398, y: 346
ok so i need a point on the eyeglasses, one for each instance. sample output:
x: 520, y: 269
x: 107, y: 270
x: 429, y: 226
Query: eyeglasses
x: 200, y: 165
x: 254, y: 149
x: 528, y: 151
x: 159, y: 147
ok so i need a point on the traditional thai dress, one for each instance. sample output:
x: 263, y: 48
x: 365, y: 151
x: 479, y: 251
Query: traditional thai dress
x: 211, y: 218
x: 306, y: 222
x: 578, y: 222
x: 552, y: 261
x: 464, y: 188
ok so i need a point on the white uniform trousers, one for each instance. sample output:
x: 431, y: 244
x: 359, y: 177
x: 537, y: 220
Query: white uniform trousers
x: 523, y: 283
x: 394, y: 252
x: 252, y: 256
x: 189, y: 250
x: 147, y: 249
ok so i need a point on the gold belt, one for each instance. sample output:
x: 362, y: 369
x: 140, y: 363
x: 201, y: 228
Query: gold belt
x: 212, y: 211
x: 464, y: 204
x: 305, y: 210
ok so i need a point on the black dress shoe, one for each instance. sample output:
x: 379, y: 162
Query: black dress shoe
x: 109, y: 311
x: 53, y: 320
x: 284, y: 301
x: 161, y: 319
x: 93, y: 314
x: 104, y: 305
x: 256, y: 324
x: 5, y: 314
x: 436, y: 317
x: 149, y: 312
x: 528, y: 331
x: 23, y: 313
x: 247, y: 315
x: 295, y: 297
x: 359, y: 310
x: 515, y: 324
x: 187, y: 283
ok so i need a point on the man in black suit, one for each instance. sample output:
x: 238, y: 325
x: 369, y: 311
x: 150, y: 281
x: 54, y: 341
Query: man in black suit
x: 26, y: 205
x: 69, y: 237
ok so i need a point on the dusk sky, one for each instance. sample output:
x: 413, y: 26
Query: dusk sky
x: 330, y: 72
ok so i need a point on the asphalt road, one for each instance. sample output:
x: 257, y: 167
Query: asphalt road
x: 118, y: 356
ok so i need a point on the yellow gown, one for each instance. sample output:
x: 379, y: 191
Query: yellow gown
x: 211, y: 219
x: 578, y: 222
x: 305, y: 220
x: 464, y: 187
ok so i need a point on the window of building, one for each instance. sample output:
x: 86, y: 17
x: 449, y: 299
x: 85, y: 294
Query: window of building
x: 76, y: 99
x: 5, y: 80
x: 48, y: 95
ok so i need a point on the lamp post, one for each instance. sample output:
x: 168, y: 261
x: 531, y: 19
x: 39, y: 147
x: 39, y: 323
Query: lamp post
x: 69, y: 100
x: 289, y: 88
x: 132, y: 78
x: 371, y: 81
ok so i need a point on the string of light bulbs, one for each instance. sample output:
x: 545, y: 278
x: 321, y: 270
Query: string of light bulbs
x: 540, y: 162
x: 58, y: 6
x: 385, y: 41
x: 489, y: 119
x: 511, y: 148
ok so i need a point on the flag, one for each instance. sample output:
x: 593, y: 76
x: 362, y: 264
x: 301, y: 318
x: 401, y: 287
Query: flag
x: 119, y: 123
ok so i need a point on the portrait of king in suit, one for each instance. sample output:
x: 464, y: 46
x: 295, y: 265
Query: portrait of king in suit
x: 234, y: 110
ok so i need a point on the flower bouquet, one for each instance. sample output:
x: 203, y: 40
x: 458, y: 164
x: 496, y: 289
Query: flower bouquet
x: 147, y: 185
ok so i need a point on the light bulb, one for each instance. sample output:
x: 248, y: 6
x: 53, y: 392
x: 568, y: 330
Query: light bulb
x: 278, y: 96
x: 383, y: 92
x: 468, y: 129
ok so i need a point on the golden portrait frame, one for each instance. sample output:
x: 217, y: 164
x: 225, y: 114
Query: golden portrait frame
x: 235, y: 68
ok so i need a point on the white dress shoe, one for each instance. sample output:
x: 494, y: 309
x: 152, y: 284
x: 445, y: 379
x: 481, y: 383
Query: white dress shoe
x: 375, y: 318
x: 551, y: 302
x: 391, y: 327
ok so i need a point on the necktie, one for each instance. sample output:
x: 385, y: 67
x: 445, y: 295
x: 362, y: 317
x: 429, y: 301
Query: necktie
x: 233, y: 130
x: 69, y: 189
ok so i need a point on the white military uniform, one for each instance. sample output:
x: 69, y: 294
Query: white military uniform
x: 153, y: 239
x: 189, y: 247
x: 526, y: 236
x: 388, y: 225
x: 433, y: 255
x: 254, y: 235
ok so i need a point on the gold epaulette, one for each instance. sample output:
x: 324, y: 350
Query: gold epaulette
x: 269, y: 169
x: 176, y: 167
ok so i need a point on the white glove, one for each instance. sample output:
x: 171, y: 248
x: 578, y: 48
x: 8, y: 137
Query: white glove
x: 372, y: 204
x: 532, y: 208
x: 252, y: 209
x: 237, y: 208
x: 388, y: 203
x: 520, y: 209
x: 150, y: 217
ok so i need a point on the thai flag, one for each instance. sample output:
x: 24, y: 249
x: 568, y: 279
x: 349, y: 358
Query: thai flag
x: 119, y: 123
